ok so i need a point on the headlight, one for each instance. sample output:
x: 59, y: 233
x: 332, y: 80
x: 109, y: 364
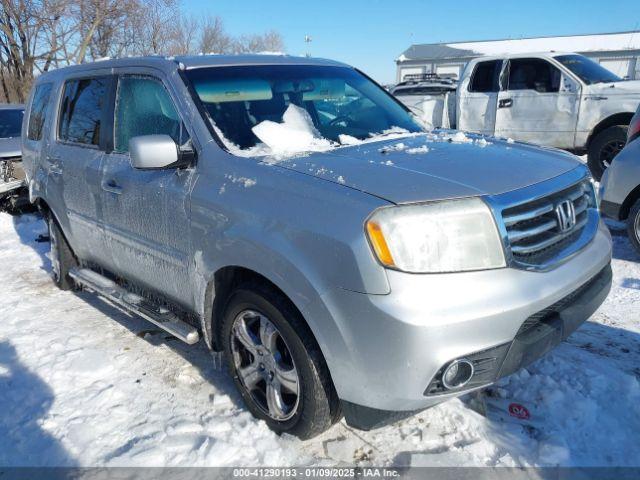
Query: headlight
x: 447, y: 236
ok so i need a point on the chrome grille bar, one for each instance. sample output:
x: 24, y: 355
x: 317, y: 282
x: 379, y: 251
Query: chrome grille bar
x: 533, y: 228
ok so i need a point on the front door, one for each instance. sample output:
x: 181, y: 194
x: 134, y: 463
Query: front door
x: 539, y: 104
x: 147, y: 211
x: 478, y: 98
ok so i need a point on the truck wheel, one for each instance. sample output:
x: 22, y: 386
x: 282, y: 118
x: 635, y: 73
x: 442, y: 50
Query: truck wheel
x: 62, y: 258
x: 633, y: 225
x: 276, y: 363
x: 604, y: 147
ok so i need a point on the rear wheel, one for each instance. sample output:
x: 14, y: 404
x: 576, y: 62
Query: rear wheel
x: 62, y: 258
x: 604, y: 148
x: 276, y: 363
x: 633, y: 225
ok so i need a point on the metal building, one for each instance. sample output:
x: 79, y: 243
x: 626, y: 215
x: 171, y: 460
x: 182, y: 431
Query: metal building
x: 619, y: 52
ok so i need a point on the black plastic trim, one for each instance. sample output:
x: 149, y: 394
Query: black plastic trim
x: 367, y: 418
x: 610, y: 209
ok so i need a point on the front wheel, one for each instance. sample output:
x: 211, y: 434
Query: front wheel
x: 276, y: 363
x: 604, y: 148
x: 633, y: 225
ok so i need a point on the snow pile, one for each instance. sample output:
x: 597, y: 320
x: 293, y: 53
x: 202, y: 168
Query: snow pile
x: 295, y: 134
x: 417, y: 150
x: 244, y: 181
x: 458, y: 137
x: 348, y: 140
x: 397, y: 147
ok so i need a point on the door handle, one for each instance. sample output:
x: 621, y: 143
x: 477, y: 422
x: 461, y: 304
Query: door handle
x: 505, y: 103
x: 112, y: 186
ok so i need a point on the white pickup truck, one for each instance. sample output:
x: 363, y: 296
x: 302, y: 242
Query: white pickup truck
x: 563, y: 100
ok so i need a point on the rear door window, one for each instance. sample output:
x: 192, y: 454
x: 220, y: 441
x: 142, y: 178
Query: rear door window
x: 486, y: 77
x: 533, y: 74
x: 82, y: 111
x: 39, y: 111
x: 144, y: 107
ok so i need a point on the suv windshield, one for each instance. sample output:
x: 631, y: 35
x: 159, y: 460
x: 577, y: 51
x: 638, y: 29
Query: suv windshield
x: 295, y: 107
x: 587, y: 70
x: 10, y: 122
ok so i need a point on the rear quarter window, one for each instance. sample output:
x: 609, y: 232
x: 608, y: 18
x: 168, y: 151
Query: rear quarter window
x: 82, y: 110
x: 486, y: 76
x: 39, y: 111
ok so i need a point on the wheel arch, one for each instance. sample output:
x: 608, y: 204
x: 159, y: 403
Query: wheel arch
x: 623, y: 118
x: 225, y: 280
x: 631, y: 199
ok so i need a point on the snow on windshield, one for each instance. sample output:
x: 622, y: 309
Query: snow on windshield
x: 297, y: 134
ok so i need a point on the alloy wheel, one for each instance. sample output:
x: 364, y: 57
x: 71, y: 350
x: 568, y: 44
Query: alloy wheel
x: 264, y: 365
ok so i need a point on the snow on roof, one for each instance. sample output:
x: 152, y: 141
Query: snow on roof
x: 575, y: 43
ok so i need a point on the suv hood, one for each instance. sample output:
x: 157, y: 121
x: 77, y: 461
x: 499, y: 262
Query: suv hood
x: 435, y: 166
x: 10, y: 147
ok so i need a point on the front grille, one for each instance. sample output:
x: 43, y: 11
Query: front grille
x: 533, y: 228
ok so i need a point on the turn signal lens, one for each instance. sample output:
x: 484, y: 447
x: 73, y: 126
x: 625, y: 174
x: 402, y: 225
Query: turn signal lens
x: 379, y: 243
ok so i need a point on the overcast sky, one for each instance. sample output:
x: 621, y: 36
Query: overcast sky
x: 371, y: 34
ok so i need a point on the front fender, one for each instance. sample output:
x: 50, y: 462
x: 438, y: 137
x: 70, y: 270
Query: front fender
x: 304, y: 234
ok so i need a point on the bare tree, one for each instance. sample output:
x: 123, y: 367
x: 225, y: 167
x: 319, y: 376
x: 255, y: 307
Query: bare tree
x: 155, y: 24
x: 268, y: 42
x: 29, y: 42
x: 37, y: 35
x: 213, y: 37
x: 184, y: 36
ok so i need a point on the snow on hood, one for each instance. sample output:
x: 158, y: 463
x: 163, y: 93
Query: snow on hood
x: 401, y: 166
x: 435, y: 166
x: 10, y: 147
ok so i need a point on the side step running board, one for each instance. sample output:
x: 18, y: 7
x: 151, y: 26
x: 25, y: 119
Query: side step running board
x: 136, y: 304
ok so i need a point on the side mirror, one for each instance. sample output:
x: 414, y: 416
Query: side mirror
x: 149, y: 152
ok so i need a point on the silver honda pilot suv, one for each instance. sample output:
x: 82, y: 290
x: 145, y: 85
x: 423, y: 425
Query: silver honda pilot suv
x: 295, y: 217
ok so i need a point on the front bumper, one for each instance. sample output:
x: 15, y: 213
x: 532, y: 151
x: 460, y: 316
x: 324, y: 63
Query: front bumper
x: 389, y: 349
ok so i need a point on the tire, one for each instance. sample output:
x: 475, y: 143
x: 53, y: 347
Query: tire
x: 604, y: 147
x: 62, y: 258
x: 633, y: 225
x: 303, y: 409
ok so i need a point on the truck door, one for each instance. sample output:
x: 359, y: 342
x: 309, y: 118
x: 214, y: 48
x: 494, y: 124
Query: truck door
x: 479, y: 98
x: 538, y: 104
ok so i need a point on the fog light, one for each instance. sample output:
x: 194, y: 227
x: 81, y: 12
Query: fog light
x: 457, y: 374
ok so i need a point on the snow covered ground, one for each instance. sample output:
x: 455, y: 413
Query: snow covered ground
x: 82, y: 383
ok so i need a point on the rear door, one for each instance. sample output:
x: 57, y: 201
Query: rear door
x: 539, y: 104
x: 479, y: 97
x: 74, y: 159
x: 147, y: 212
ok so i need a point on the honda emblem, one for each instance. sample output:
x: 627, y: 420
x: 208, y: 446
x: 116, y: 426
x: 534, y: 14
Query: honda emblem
x: 566, y: 215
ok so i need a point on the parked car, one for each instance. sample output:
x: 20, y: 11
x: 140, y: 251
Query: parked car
x: 426, y: 95
x: 562, y: 100
x: 12, y: 185
x: 620, y: 186
x: 324, y: 256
